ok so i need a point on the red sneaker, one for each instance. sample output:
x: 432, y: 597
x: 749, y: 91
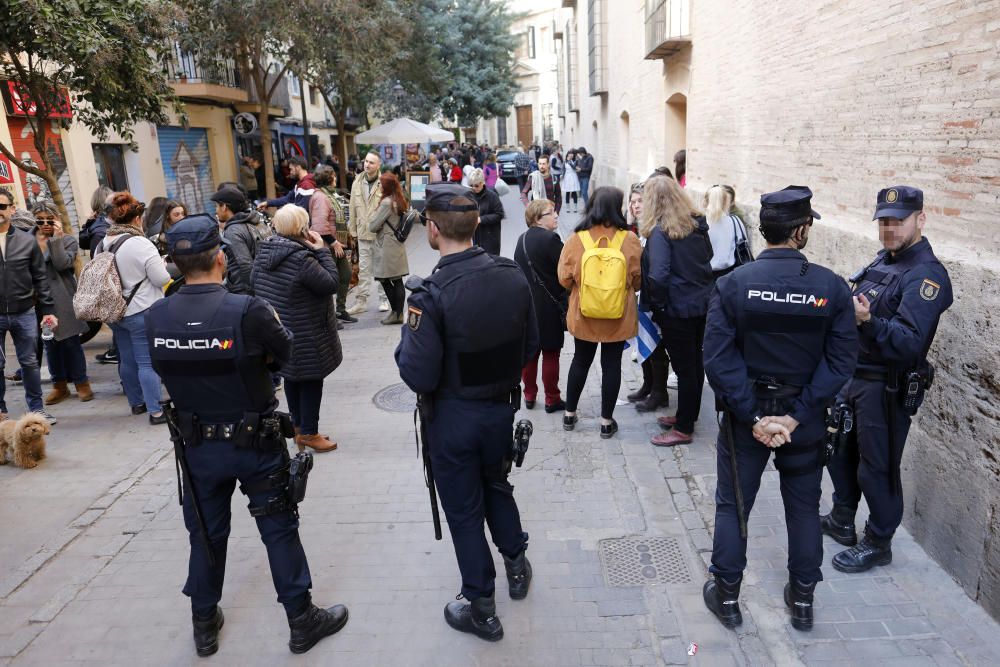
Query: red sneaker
x: 667, y: 422
x: 671, y: 438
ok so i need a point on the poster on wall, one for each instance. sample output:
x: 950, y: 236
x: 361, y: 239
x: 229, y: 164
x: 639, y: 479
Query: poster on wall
x: 34, y: 188
x: 187, y: 167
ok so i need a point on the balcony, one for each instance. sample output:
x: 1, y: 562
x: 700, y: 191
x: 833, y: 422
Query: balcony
x: 218, y: 81
x: 668, y: 27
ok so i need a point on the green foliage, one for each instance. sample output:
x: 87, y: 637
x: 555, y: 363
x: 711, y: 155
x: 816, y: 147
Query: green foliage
x: 106, y: 53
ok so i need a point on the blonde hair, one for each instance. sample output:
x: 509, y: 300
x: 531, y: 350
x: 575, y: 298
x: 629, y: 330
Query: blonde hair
x: 536, y: 209
x: 291, y: 221
x: 476, y: 176
x: 667, y: 206
x: 717, y: 203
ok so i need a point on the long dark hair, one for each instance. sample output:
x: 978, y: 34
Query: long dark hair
x: 604, y: 208
x: 391, y: 189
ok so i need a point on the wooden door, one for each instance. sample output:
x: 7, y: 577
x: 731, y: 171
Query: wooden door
x: 525, y: 126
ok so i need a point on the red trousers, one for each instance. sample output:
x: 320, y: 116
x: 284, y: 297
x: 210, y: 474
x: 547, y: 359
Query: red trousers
x: 550, y: 376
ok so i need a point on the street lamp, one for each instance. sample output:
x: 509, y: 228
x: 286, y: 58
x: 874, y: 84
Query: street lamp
x: 398, y: 90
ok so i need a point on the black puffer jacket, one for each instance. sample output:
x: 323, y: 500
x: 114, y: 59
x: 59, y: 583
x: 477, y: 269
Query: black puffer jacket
x: 300, y: 283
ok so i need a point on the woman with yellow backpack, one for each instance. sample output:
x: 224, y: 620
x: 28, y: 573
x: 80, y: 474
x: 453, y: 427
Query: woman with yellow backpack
x: 600, y: 266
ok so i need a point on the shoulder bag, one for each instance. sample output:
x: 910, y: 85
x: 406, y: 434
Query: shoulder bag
x: 562, y: 307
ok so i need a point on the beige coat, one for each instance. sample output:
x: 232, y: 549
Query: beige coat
x: 390, y: 254
x: 589, y: 329
x: 362, y: 210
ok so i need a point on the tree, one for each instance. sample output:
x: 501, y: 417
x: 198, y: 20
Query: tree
x: 102, y: 56
x: 262, y: 35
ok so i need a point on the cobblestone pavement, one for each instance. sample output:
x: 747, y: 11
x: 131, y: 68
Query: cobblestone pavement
x: 94, y: 550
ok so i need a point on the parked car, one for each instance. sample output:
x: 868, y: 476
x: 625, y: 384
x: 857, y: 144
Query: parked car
x: 506, y: 166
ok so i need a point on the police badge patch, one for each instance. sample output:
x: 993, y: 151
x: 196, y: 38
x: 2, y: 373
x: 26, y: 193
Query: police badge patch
x: 929, y: 290
x: 413, y: 316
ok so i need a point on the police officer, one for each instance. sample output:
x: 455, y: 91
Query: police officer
x: 780, y: 342
x: 898, y: 301
x: 464, y: 352
x: 215, y: 351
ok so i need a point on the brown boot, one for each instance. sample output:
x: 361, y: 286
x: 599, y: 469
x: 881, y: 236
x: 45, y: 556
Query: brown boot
x: 58, y: 394
x: 317, y: 442
x: 84, y: 391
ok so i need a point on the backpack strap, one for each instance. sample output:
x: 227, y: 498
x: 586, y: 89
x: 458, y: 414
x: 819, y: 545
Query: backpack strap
x: 619, y: 240
x: 586, y: 239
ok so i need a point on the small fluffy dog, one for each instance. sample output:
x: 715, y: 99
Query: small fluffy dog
x: 25, y: 437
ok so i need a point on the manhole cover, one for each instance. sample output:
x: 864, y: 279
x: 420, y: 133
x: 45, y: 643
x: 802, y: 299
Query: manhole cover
x: 642, y: 561
x: 396, y: 398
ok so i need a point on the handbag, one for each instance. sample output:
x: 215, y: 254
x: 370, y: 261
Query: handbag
x: 563, y: 308
x: 741, y: 253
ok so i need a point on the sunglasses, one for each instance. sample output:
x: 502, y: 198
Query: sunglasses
x: 44, y: 221
x: 4, y: 207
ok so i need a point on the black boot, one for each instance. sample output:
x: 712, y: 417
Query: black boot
x: 647, y: 384
x: 206, y: 633
x: 479, y: 617
x: 868, y: 553
x: 654, y: 401
x: 799, y: 599
x: 313, y: 625
x: 841, y: 531
x: 722, y: 599
x: 518, y: 575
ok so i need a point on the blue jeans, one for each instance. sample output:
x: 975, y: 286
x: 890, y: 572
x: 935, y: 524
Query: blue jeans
x: 66, y: 360
x: 584, y: 188
x: 23, y: 328
x: 140, y: 381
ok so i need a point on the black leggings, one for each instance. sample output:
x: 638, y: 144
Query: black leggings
x: 574, y: 194
x: 611, y: 374
x: 394, y: 292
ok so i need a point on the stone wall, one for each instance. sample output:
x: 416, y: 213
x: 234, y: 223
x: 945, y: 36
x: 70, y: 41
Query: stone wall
x: 847, y: 97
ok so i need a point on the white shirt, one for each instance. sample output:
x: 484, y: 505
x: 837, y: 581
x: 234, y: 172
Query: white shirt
x: 137, y: 259
x: 724, y: 234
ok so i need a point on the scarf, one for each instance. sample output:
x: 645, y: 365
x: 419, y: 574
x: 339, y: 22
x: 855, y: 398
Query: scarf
x: 115, y: 229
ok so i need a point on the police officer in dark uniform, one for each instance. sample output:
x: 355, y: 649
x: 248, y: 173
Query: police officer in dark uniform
x: 215, y: 352
x: 780, y: 342
x: 898, y: 301
x: 462, y: 349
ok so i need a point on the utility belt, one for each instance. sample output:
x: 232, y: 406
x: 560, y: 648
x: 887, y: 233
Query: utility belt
x: 773, y: 397
x: 254, y: 431
x: 909, y: 386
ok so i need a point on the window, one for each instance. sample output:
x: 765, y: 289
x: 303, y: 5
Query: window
x: 313, y: 95
x: 294, y: 85
x: 572, y: 81
x: 547, y: 120
x: 110, y: 162
x: 597, y: 46
x: 531, y: 41
x: 501, y: 131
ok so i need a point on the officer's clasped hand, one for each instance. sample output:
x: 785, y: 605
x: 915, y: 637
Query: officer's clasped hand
x: 774, y: 431
x: 862, y: 309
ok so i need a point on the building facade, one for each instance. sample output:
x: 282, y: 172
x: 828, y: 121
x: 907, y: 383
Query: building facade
x: 846, y: 97
x: 533, y: 117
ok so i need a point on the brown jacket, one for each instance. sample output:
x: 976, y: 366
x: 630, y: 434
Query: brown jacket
x: 589, y: 329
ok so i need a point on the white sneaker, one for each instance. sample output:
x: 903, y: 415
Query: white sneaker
x: 358, y: 308
x: 48, y: 417
x: 672, y: 381
x: 383, y: 306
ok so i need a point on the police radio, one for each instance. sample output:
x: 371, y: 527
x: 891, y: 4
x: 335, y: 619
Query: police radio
x: 915, y: 388
x: 522, y: 436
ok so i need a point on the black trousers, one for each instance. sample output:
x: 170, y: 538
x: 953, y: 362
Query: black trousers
x: 469, y: 440
x: 215, y: 469
x: 611, y: 374
x: 304, y: 398
x: 683, y: 338
x: 864, y: 465
x: 394, y: 292
x: 800, y: 476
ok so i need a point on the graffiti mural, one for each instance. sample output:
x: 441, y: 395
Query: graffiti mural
x: 187, y: 167
x: 34, y: 188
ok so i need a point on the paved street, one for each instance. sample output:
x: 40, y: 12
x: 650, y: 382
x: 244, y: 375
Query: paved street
x: 93, y: 548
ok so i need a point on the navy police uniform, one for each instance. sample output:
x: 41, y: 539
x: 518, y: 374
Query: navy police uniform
x: 907, y: 291
x: 215, y: 351
x: 463, y: 349
x: 780, y: 339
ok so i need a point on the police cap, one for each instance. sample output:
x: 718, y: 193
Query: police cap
x: 899, y: 201
x: 441, y: 195
x: 193, y: 234
x: 788, y: 205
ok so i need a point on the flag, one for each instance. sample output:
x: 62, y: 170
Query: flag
x: 648, y: 338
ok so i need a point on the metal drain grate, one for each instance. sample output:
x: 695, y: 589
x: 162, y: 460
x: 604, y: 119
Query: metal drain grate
x: 629, y: 561
x: 396, y: 398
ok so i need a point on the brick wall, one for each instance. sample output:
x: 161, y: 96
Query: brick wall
x: 849, y: 97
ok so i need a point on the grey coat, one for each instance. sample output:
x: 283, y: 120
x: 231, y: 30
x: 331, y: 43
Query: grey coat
x: 390, y: 254
x: 59, y: 269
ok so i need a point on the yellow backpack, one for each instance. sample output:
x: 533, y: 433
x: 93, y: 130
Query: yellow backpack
x: 603, y: 277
